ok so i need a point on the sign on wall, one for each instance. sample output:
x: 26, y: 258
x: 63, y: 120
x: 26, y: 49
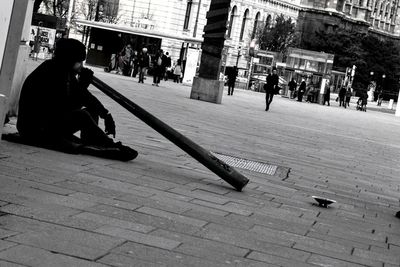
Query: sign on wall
x: 192, y: 58
x: 46, y: 36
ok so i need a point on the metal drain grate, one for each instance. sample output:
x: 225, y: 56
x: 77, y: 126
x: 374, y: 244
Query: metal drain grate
x: 250, y: 165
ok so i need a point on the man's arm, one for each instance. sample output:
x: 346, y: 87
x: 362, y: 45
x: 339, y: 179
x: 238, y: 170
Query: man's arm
x: 89, y: 100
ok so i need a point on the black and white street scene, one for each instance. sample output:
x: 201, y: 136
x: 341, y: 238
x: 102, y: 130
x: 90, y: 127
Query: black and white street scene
x: 199, y: 133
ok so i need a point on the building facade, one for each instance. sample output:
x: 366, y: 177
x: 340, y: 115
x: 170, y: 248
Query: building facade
x: 379, y: 17
x: 179, y: 23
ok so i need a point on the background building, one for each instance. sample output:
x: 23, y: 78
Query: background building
x: 380, y: 17
x: 177, y: 24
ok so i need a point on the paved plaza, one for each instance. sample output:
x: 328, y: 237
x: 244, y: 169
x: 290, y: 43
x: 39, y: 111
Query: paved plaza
x: 166, y: 209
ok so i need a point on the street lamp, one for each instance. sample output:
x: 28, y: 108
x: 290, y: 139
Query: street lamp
x: 69, y: 16
x: 371, y: 79
x: 238, y: 55
x: 381, y: 90
x: 397, y: 114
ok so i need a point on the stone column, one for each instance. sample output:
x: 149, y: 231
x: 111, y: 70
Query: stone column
x: 397, y: 114
x: 13, y: 13
x: 207, y: 86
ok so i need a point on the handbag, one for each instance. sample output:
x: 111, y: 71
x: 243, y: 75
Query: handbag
x: 276, y: 89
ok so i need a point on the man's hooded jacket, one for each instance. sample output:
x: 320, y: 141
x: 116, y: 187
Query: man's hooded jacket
x: 52, y: 91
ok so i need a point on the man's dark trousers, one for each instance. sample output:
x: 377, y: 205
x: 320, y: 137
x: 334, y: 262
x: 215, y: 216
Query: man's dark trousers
x: 269, y: 95
x: 231, y: 87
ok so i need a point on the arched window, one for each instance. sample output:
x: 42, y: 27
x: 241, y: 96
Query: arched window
x: 268, y: 21
x: 255, y: 25
x: 246, y: 14
x: 187, y: 14
x: 233, y: 13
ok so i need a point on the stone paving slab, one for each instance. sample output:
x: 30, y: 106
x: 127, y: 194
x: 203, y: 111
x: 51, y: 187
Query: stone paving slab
x: 166, y: 209
x: 30, y: 256
x: 156, y: 255
x: 9, y: 264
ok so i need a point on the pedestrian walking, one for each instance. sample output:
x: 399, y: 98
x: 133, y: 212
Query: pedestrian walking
x: 301, y: 91
x: 232, y: 74
x: 178, y: 72
x: 380, y: 98
x: 135, y: 63
x: 166, y: 64
x: 342, y: 95
x: 157, y: 67
x: 55, y: 104
x: 124, y: 60
x: 270, y: 87
x: 327, y: 96
x: 144, y: 62
x: 362, y: 102
x: 292, y: 87
x: 348, y: 97
x: 115, y: 49
x: 311, y: 93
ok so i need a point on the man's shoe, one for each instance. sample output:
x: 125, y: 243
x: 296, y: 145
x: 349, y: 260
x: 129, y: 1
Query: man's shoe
x: 398, y: 214
x: 127, y: 153
x: 117, y: 152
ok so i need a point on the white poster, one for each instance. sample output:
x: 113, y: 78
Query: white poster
x: 192, y: 58
x: 46, y: 36
x: 5, y: 16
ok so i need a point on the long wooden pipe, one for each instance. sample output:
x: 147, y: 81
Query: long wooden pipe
x: 223, y: 170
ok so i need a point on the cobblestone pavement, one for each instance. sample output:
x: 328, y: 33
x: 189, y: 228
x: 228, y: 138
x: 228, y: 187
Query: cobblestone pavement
x: 165, y: 209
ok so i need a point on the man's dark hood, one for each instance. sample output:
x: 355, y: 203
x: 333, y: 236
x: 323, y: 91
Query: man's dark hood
x: 69, y: 51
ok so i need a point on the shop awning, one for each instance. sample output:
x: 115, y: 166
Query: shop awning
x: 131, y: 30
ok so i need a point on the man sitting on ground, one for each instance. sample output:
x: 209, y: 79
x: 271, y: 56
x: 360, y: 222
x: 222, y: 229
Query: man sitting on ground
x: 55, y: 103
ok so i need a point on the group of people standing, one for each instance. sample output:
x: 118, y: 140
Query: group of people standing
x: 344, y: 97
x: 161, y: 62
x: 311, y: 92
x: 131, y: 63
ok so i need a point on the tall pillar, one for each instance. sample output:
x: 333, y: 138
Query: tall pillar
x: 12, y: 14
x: 20, y: 72
x: 207, y: 86
x: 397, y: 114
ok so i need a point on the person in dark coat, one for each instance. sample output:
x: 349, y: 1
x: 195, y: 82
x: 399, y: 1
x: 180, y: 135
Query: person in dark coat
x: 342, y: 95
x: 310, y: 93
x: 157, y: 68
x: 302, y: 90
x: 327, y: 96
x: 269, y: 87
x: 135, y: 63
x: 292, y: 87
x: 166, y: 64
x: 124, y: 60
x: 144, y: 63
x: 55, y: 103
x: 232, y: 74
x: 348, y: 97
